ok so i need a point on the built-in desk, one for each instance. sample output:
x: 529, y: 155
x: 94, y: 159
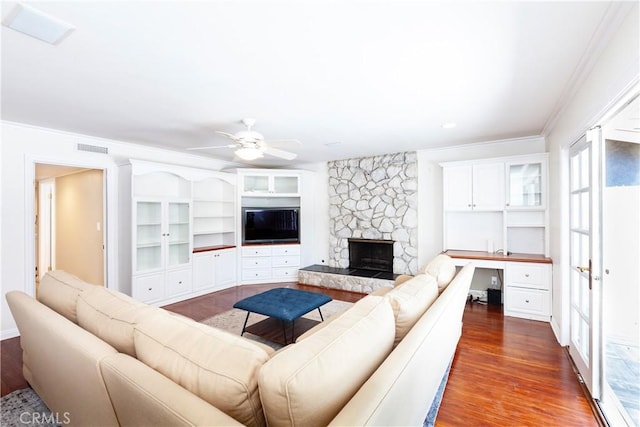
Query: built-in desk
x: 527, y: 280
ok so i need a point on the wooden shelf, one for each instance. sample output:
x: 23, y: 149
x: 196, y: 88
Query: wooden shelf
x: 489, y: 256
x: 212, y: 248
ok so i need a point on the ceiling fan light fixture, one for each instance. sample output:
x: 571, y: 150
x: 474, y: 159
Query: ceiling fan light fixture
x: 248, y: 153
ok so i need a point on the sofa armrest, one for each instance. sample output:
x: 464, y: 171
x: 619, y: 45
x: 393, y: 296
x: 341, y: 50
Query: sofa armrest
x: 61, y: 362
x: 143, y: 396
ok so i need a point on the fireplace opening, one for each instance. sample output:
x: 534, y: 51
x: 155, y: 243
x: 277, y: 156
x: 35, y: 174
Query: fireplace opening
x: 371, y: 254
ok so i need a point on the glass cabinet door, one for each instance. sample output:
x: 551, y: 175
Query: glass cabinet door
x: 256, y: 184
x: 525, y: 185
x: 285, y: 184
x: 148, y: 236
x: 178, y: 249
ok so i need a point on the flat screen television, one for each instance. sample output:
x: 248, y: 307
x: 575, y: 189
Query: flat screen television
x: 270, y: 225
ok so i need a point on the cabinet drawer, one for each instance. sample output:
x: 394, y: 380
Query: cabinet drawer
x: 148, y: 288
x: 257, y: 274
x: 530, y: 275
x: 285, y: 250
x: 178, y: 282
x: 256, y: 262
x: 285, y: 273
x: 527, y: 301
x: 285, y: 261
x: 256, y: 251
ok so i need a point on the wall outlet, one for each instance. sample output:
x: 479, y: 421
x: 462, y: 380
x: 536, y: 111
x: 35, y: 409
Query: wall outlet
x: 494, y: 281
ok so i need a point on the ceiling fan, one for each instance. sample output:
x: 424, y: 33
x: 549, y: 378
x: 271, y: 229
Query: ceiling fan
x: 250, y: 145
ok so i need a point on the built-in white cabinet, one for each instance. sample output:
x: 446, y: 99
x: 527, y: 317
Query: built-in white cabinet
x: 496, y: 205
x: 161, y: 236
x: 527, y: 290
x: 214, y: 212
x: 526, y: 183
x: 270, y: 263
x: 173, y: 210
x: 271, y: 183
x: 215, y: 269
x: 474, y: 187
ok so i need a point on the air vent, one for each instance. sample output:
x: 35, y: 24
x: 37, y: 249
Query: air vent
x: 93, y: 148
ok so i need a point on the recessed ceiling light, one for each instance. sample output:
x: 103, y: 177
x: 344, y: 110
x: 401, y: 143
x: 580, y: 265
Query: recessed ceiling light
x: 449, y: 125
x: 333, y: 144
x: 35, y: 23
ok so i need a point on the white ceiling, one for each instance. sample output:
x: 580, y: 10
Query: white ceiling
x: 347, y: 78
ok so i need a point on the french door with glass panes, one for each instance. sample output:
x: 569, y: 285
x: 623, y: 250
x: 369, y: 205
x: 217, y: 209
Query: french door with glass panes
x: 585, y: 256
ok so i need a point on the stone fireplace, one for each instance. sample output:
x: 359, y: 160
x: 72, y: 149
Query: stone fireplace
x: 371, y: 254
x: 374, y: 198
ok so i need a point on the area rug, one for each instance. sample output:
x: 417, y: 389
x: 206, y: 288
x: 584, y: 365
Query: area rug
x: 232, y: 320
x: 25, y: 408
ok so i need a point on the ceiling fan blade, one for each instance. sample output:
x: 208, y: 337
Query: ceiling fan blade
x: 279, y: 153
x: 212, y: 146
x: 284, y: 143
x: 228, y: 135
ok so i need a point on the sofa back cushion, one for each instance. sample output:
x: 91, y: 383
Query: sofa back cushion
x: 215, y: 365
x: 111, y: 316
x: 59, y: 291
x: 442, y: 269
x: 308, y: 383
x: 410, y: 300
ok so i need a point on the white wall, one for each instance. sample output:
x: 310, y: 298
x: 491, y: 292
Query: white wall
x: 315, y: 197
x: 21, y: 147
x: 621, y: 246
x: 614, y: 73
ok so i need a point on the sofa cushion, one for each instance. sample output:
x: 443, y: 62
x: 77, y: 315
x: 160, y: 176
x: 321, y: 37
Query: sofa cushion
x: 111, y: 316
x: 215, y: 365
x: 59, y: 291
x: 308, y: 383
x: 410, y: 300
x: 442, y: 269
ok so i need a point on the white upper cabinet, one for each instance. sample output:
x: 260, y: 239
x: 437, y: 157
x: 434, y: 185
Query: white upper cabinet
x: 496, y: 204
x: 270, y: 183
x: 474, y: 187
x: 526, y: 183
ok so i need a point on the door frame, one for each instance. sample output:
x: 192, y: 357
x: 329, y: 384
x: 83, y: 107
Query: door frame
x: 606, y: 409
x: 109, y: 212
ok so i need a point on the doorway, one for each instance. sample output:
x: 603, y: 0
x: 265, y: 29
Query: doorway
x: 69, y: 221
x: 604, y: 247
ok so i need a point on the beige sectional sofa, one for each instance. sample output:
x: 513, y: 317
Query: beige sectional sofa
x: 103, y: 358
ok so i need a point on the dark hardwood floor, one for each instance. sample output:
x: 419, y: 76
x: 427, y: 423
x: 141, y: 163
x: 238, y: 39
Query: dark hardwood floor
x: 507, y: 371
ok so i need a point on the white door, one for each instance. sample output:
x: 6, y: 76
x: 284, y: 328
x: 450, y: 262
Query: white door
x: 585, y: 249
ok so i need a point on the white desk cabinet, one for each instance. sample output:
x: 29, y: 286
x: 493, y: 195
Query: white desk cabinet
x: 527, y: 291
x: 527, y: 281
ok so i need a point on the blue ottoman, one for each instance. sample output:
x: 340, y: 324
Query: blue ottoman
x: 285, y: 304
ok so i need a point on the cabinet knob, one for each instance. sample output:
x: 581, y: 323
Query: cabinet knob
x: 527, y: 301
x: 469, y: 205
x: 150, y: 289
x: 180, y: 282
x: 526, y: 275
